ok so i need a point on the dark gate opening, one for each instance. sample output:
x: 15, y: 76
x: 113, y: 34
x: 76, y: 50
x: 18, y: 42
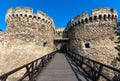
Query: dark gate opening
x: 61, y: 44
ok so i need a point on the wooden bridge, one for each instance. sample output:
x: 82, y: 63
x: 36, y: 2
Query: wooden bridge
x: 58, y: 66
x: 57, y: 70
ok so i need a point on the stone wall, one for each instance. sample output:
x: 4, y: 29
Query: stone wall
x: 59, y: 32
x: 29, y: 36
x: 94, y: 35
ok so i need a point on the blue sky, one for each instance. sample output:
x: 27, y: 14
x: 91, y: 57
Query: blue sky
x: 60, y: 10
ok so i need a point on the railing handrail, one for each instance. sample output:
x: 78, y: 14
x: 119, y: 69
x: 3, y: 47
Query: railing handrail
x: 107, y: 66
x: 4, y: 76
x: 80, y: 60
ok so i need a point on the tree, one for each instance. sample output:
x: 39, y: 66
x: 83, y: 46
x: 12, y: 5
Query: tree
x: 118, y: 26
x: 118, y: 46
x: 117, y: 31
x: 0, y: 29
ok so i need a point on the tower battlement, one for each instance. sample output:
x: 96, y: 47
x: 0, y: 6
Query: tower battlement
x: 26, y: 14
x: 94, y: 35
x: 26, y: 25
x: 101, y: 14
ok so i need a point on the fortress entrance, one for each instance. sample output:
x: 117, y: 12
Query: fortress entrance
x: 61, y: 44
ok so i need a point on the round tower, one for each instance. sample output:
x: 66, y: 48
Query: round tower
x: 30, y: 27
x: 29, y: 36
x: 94, y: 35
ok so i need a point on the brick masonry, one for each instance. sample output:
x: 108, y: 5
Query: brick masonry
x: 94, y: 35
x: 29, y: 36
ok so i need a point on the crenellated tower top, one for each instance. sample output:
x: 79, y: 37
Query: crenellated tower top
x: 24, y: 12
x: 97, y: 15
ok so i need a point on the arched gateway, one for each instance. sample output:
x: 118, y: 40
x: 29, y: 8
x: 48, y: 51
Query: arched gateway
x: 61, y: 43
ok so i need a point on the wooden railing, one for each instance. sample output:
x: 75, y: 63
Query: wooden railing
x: 32, y: 69
x: 95, y: 70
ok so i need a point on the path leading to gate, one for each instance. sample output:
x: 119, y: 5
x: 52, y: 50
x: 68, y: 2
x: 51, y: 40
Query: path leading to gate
x: 64, y: 67
x: 57, y: 70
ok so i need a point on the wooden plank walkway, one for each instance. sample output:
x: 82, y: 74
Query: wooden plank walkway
x: 57, y: 70
x: 80, y: 74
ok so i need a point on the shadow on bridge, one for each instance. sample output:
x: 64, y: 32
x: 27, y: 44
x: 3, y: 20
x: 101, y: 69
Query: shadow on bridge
x: 55, y: 67
x: 79, y: 73
x: 93, y: 70
x: 57, y: 70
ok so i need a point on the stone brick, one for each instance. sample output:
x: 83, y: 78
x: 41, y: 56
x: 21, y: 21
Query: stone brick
x: 94, y: 37
x: 25, y: 36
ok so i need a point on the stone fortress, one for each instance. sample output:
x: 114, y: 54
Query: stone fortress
x: 94, y: 36
x: 29, y: 36
x: 59, y: 32
x: 31, y: 27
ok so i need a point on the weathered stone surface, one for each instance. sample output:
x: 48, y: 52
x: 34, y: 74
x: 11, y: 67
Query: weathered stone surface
x: 94, y: 36
x: 59, y: 32
x: 28, y: 37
